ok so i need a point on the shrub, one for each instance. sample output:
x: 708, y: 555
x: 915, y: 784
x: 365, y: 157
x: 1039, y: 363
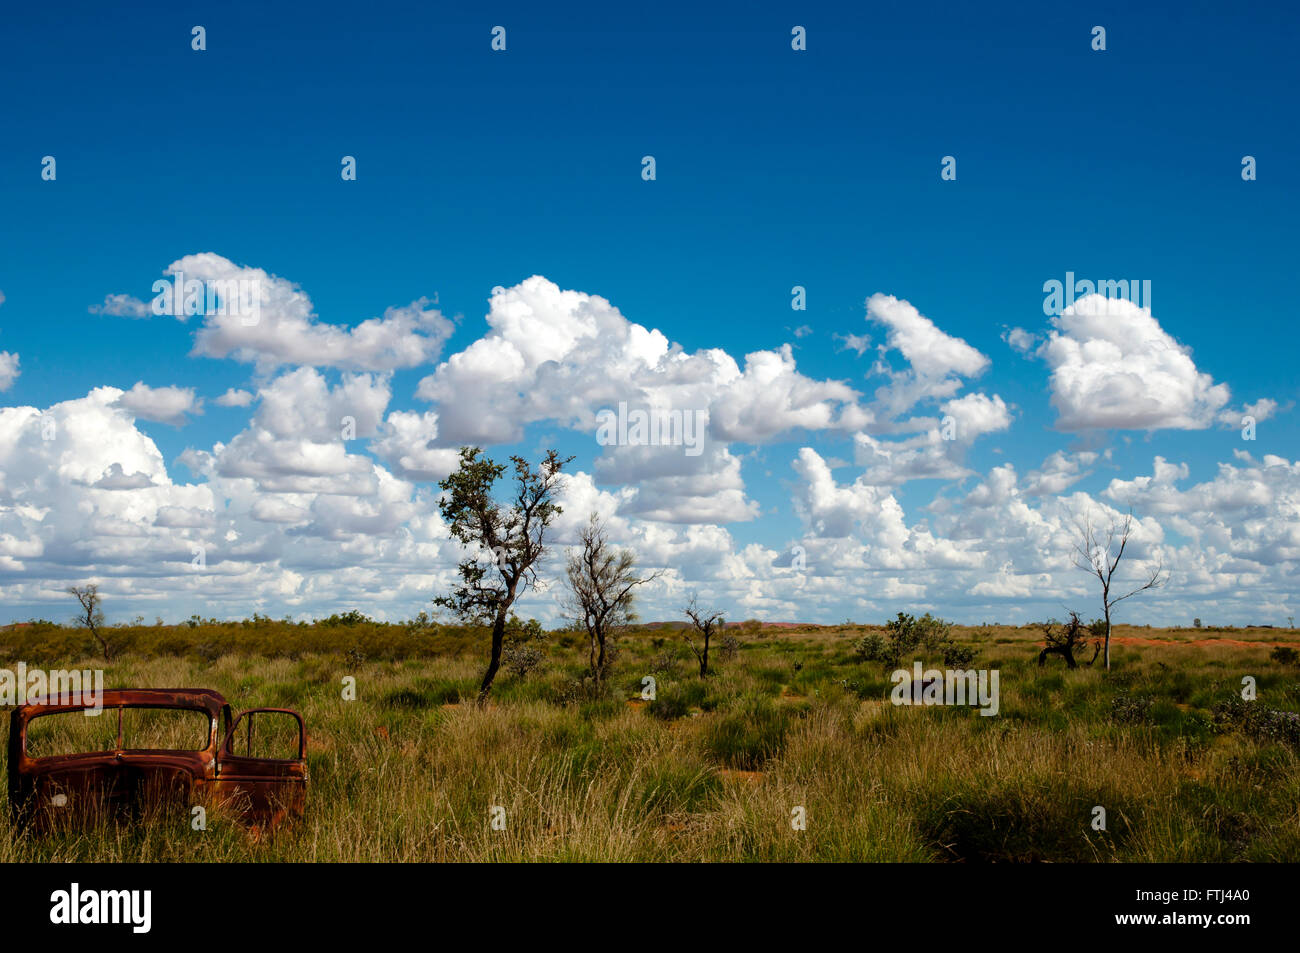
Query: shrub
x: 576, y: 691
x: 524, y: 650
x: 519, y: 631
x: 907, y: 638
x: 910, y: 636
x: 957, y: 656
x: 519, y: 659
x: 664, y: 662
x: 1131, y: 709
x: 1285, y: 655
x: 1255, y: 721
x: 870, y: 648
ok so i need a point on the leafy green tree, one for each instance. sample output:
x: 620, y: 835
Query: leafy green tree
x: 506, y: 539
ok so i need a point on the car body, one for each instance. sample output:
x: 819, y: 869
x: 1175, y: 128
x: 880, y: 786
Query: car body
x: 123, y: 781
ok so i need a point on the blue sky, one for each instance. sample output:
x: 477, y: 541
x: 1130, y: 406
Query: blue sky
x: 775, y: 168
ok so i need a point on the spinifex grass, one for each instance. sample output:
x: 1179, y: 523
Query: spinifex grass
x: 712, y: 769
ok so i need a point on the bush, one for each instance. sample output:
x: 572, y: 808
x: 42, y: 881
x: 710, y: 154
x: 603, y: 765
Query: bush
x: 576, y: 691
x: 907, y: 638
x: 1255, y: 721
x: 524, y: 649
x: 1285, y: 655
x: 1131, y: 709
x: 519, y: 659
x: 664, y: 662
x: 957, y: 656
x: 871, y: 648
x: 520, y: 631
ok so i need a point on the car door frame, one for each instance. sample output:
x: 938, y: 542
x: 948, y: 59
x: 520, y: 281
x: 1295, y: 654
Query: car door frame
x: 269, y: 789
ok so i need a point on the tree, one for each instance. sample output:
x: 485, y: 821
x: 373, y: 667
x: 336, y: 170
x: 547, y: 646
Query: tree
x: 1063, y: 640
x: 509, y: 539
x: 600, y: 582
x: 1102, y: 561
x: 91, y: 616
x: 705, y: 622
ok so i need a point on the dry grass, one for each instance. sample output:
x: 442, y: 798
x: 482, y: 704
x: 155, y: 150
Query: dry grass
x: 712, y: 769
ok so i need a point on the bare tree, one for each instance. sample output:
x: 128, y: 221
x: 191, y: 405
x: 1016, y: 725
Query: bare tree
x: 509, y: 540
x: 1064, y: 640
x: 91, y: 616
x: 600, y: 583
x: 705, y: 622
x: 1102, y: 560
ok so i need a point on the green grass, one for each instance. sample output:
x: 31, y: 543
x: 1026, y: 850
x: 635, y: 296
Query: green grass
x: 712, y: 768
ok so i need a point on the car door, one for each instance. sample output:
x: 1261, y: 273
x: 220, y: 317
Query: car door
x: 262, y: 766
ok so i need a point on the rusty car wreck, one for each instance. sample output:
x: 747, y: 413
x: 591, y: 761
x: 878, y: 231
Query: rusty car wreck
x: 138, y: 761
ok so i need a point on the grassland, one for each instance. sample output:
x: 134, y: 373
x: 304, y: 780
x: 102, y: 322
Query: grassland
x: 712, y: 768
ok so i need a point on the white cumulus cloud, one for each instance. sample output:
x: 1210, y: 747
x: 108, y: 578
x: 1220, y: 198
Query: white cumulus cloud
x: 1114, y: 367
x: 168, y: 405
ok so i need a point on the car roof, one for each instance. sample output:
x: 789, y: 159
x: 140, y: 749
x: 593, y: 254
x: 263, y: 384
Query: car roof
x: 203, y: 699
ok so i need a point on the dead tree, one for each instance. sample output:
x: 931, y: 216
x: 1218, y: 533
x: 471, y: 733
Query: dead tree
x: 706, y: 623
x: 1063, y: 640
x: 1101, y: 561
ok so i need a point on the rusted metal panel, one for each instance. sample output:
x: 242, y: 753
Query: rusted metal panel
x: 127, y: 783
x: 267, y: 791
